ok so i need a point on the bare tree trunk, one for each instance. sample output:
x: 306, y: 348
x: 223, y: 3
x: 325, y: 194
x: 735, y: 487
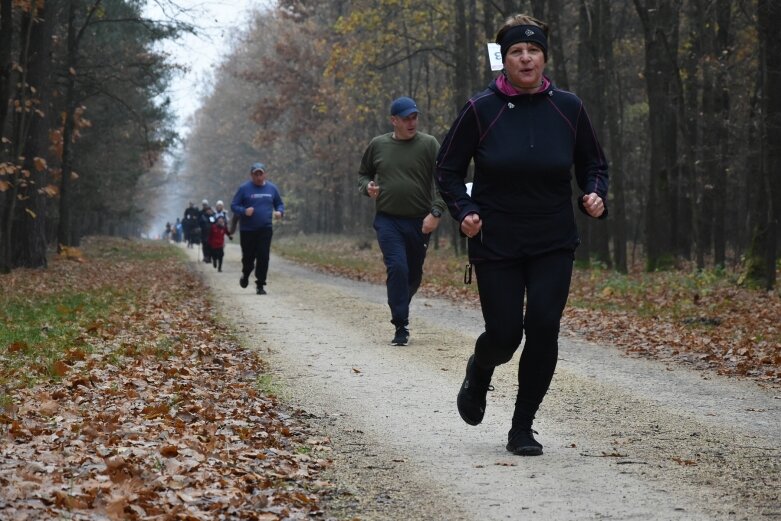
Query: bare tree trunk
x: 64, y: 232
x: 6, y: 41
x: 6, y: 75
x: 693, y: 110
x: 472, y: 45
x: 660, y: 25
x: 591, y: 88
x: 614, y: 116
x: 30, y: 222
x: 489, y: 31
x: 587, y: 66
x: 721, y: 116
x: 461, y: 92
x: 769, y: 20
x: 538, y: 9
x: 560, y: 76
x: 462, y: 74
x: 20, y: 129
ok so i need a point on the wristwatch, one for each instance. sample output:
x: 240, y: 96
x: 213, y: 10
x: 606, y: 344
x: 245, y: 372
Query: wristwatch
x: 436, y: 212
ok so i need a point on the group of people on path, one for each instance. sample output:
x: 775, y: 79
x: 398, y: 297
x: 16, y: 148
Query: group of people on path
x: 208, y: 228
x: 173, y: 232
x: 256, y: 204
x: 523, y: 135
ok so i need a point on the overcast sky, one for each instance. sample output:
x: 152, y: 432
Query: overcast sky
x: 218, y: 22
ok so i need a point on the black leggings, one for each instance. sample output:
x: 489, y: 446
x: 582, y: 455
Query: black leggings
x: 255, y: 251
x: 545, y: 281
x: 217, y: 256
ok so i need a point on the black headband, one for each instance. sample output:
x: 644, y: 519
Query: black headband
x: 524, y: 33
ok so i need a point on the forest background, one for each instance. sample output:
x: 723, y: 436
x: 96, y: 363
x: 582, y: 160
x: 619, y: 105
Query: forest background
x: 685, y: 96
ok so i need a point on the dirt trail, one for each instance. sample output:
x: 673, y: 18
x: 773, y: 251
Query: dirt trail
x: 624, y: 438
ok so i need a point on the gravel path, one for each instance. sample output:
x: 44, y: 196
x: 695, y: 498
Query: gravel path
x: 625, y: 438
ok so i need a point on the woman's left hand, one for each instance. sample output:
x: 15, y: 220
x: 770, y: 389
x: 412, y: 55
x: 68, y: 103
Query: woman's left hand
x: 593, y: 205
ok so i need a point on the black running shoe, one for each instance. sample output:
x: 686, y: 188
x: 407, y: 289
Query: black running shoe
x: 521, y: 442
x: 244, y: 281
x: 471, y: 396
x: 260, y: 290
x: 402, y: 336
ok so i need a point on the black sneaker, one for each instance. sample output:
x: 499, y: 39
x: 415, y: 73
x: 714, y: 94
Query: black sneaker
x: 260, y: 290
x: 244, y: 281
x: 471, y: 396
x: 521, y: 442
x: 402, y: 336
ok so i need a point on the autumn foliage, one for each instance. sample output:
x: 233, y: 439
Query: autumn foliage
x: 152, y: 411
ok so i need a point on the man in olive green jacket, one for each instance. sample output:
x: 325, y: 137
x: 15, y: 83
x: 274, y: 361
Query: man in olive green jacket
x: 397, y: 171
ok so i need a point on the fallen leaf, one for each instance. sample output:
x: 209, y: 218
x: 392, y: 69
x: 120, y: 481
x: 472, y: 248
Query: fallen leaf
x: 49, y: 408
x: 169, y: 451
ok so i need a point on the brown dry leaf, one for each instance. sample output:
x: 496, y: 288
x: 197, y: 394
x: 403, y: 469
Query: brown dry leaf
x: 49, y: 408
x: 63, y: 500
x: 154, y: 411
x: 15, y: 347
x: 70, y: 252
x: 115, y: 509
x: 356, y: 370
x: 113, y: 444
x: 169, y: 451
x: 50, y: 190
x: 40, y: 163
x: 60, y: 368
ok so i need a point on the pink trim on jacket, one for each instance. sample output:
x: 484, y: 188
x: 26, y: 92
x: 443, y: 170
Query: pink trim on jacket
x: 505, y: 87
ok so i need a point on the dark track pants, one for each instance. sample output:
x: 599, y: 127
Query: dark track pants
x: 255, y: 250
x: 403, y: 245
x: 545, y: 282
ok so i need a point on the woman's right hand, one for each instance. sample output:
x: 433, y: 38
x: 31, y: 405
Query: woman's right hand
x: 471, y: 225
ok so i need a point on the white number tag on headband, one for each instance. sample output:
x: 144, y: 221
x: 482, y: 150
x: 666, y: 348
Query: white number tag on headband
x: 495, y: 56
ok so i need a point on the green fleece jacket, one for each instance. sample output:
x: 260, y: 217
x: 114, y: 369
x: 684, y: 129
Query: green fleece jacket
x: 404, y: 170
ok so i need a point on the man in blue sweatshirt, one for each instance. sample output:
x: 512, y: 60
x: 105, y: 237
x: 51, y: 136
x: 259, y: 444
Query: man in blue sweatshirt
x: 258, y: 203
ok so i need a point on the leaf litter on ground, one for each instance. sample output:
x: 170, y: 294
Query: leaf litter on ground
x: 153, y: 411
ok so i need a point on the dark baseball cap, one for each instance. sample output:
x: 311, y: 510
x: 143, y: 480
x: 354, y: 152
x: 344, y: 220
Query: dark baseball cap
x: 257, y: 166
x: 403, y: 107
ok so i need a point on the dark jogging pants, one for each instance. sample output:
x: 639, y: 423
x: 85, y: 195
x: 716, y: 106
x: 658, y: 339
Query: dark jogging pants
x: 403, y: 245
x: 255, y: 250
x: 502, y: 285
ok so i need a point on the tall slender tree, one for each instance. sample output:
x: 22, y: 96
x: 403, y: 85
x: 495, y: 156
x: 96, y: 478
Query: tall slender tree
x: 23, y: 114
x: 659, y: 19
x: 762, y: 259
x: 29, y: 223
